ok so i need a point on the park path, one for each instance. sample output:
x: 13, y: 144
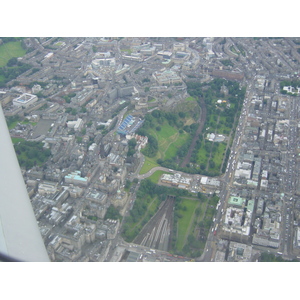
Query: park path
x: 201, y: 122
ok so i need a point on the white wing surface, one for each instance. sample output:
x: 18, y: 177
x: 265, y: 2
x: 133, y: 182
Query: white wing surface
x: 20, y: 237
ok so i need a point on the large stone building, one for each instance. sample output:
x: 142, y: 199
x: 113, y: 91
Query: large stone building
x: 25, y: 100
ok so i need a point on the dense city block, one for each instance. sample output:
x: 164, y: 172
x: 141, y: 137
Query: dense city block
x: 158, y: 149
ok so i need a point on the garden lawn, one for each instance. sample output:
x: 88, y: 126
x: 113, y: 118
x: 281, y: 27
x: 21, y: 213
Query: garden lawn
x: 10, y: 50
x: 156, y: 176
x: 16, y: 140
x: 149, y: 164
x: 190, y: 99
x: 184, y: 223
x: 217, y: 157
x: 169, y: 141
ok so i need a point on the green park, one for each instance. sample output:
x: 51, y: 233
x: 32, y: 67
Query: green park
x: 193, y: 214
x: 10, y: 66
x: 9, y: 50
x: 171, y: 133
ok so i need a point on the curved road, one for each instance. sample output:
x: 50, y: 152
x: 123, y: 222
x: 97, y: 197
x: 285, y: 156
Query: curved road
x: 149, y: 173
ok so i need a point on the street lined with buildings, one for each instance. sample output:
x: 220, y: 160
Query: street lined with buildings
x: 85, y: 99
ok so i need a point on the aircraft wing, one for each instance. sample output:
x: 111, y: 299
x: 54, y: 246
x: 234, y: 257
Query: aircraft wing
x: 20, y: 237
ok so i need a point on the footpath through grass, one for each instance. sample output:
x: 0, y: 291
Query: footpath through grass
x: 149, y: 164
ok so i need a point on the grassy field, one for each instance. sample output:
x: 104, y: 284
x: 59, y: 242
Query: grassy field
x: 181, y: 139
x: 194, y: 224
x: 10, y: 50
x: 165, y: 132
x: 13, y: 124
x: 169, y: 141
x: 185, y: 222
x: 201, y: 155
x: 16, y: 140
x: 218, y: 157
x: 149, y: 164
x: 156, y: 176
x: 189, y: 121
x: 190, y: 99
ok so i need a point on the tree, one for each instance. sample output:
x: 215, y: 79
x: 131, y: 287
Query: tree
x: 112, y: 213
x: 12, y: 62
x: 198, y: 211
x: 181, y: 114
x: 131, y: 147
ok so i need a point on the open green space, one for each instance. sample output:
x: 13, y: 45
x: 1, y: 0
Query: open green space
x: 193, y: 215
x: 129, y: 51
x: 10, y: 50
x: 12, y: 124
x: 16, y: 140
x: 148, y: 165
x: 156, y: 176
x: 12, y: 121
x: 193, y: 220
x: 186, y: 214
x: 220, y: 119
x: 148, y: 198
x: 172, y: 150
x: 169, y: 141
x: 166, y: 137
x: 218, y: 151
x: 190, y: 99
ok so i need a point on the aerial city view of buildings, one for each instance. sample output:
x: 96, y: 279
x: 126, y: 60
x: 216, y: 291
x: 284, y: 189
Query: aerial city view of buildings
x: 158, y: 149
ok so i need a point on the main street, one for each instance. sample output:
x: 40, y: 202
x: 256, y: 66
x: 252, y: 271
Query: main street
x: 289, y: 182
x: 228, y: 177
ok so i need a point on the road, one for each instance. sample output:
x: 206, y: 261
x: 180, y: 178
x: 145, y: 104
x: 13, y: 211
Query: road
x: 227, y: 181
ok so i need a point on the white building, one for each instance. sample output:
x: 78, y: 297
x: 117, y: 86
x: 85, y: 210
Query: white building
x: 233, y: 220
x: 25, y: 100
x: 77, y: 125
